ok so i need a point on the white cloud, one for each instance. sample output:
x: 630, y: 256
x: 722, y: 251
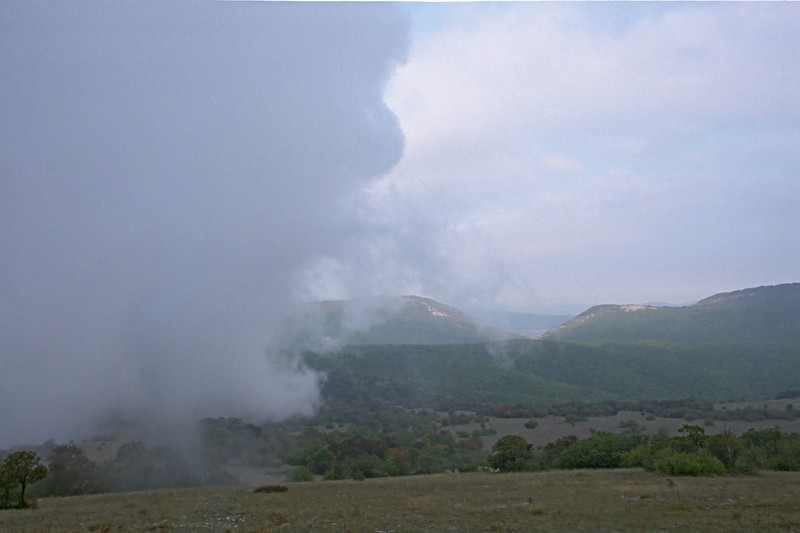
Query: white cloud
x: 167, y: 170
x: 543, y: 146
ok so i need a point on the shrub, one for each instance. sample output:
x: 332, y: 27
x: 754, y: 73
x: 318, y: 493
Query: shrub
x: 601, y: 450
x: 268, y: 489
x: 300, y: 473
x: 510, y: 454
x: 699, y: 463
x: 639, y: 456
x: 71, y: 473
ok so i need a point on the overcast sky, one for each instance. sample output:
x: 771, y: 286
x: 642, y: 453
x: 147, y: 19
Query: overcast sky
x: 585, y: 153
x: 174, y: 175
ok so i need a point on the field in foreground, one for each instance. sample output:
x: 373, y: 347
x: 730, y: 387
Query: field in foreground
x: 589, y: 500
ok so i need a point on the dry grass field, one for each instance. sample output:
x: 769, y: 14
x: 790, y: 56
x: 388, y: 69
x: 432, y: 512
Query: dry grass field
x: 580, y: 500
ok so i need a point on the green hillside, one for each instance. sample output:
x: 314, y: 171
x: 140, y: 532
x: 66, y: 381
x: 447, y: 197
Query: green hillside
x: 441, y: 377
x: 657, y: 370
x: 390, y: 321
x: 763, y: 314
x: 546, y: 372
x: 738, y: 345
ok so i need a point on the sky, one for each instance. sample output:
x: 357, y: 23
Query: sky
x: 562, y: 155
x: 174, y: 176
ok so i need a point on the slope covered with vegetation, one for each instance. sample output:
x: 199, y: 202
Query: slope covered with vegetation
x: 405, y: 320
x: 547, y: 372
x: 762, y: 314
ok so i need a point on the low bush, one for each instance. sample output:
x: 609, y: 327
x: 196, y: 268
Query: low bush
x: 268, y: 489
x: 700, y: 463
x: 300, y: 473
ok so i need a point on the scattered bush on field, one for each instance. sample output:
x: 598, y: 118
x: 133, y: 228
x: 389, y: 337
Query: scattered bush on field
x: 300, y: 473
x: 268, y: 489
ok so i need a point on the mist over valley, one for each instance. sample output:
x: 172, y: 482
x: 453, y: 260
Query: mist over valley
x: 267, y: 243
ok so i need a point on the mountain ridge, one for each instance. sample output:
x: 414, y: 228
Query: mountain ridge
x: 402, y: 320
x: 767, y: 313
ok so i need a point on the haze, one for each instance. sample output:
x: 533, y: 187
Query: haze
x: 174, y: 176
x: 167, y: 169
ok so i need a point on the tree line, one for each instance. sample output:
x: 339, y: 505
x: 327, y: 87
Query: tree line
x: 692, y: 453
x: 399, y: 442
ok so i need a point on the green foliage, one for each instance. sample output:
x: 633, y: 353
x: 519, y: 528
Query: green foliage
x: 601, y: 450
x: 17, y: 472
x: 551, y: 454
x: 387, y: 442
x: 695, y: 438
x: 770, y: 449
x: 699, y: 463
x: 762, y: 315
x: 522, y: 376
x: 511, y: 453
x: 71, y: 473
x: 300, y: 473
x: 446, y: 378
x: 691, y: 454
x: 319, y: 458
x: 138, y: 467
x: 7, y: 485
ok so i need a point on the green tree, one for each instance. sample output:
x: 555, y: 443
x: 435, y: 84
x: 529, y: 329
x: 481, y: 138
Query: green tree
x: 725, y: 446
x: 699, y: 463
x: 551, y: 454
x: 319, y: 458
x: 72, y: 473
x: 6, y: 485
x: 510, y: 454
x: 23, y: 468
x: 602, y: 450
x: 300, y: 473
x: 695, y: 439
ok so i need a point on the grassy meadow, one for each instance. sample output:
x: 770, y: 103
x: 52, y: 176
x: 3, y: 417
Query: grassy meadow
x: 577, y: 500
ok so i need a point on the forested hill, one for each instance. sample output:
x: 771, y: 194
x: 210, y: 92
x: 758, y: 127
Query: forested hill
x: 540, y: 372
x: 764, y: 314
x: 388, y: 320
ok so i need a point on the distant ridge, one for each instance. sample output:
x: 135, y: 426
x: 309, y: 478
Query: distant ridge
x: 412, y: 320
x: 760, y: 314
x: 739, y: 345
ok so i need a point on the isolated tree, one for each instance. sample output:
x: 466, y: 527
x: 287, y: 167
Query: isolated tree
x: 23, y: 468
x: 510, y: 454
x: 695, y: 438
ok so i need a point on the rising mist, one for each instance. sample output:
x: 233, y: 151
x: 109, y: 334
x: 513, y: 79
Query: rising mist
x: 167, y: 169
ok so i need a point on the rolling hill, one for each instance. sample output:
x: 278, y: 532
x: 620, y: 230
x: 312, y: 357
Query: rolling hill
x: 762, y: 314
x: 410, y: 320
x: 738, y: 345
x: 542, y: 372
